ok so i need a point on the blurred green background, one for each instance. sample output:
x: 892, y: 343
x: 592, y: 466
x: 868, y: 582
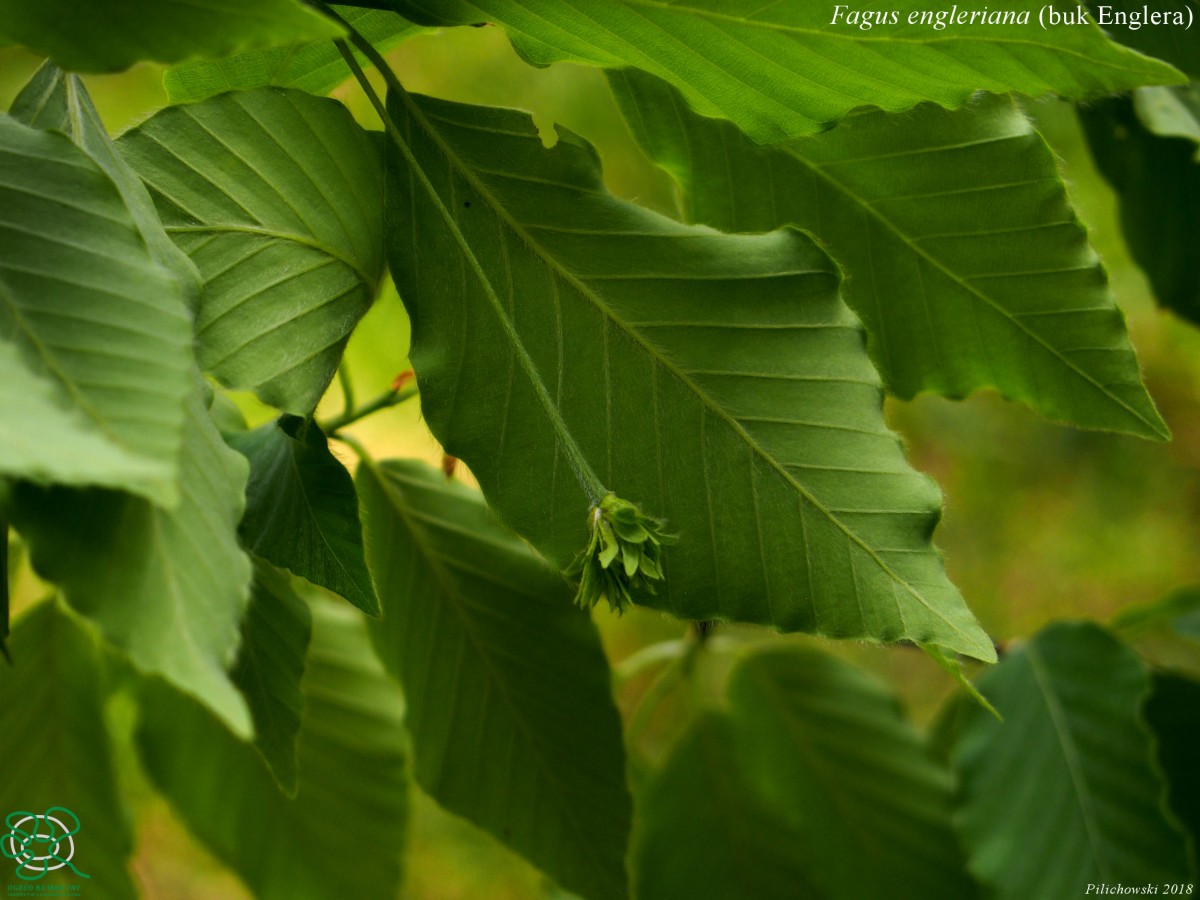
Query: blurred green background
x: 1041, y: 521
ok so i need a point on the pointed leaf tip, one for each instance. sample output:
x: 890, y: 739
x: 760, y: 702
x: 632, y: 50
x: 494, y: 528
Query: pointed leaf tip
x: 622, y: 554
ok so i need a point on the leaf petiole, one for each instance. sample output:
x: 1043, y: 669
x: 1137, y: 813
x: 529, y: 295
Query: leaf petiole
x: 392, y: 397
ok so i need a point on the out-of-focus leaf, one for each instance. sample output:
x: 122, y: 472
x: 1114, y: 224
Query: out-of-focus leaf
x: 316, y: 67
x: 704, y: 831
x: 569, y: 344
x: 343, y: 833
x: 965, y: 258
x: 1173, y: 714
x: 302, y: 511
x: 276, y: 196
x: 854, y: 779
x: 56, y: 753
x: 1157, y: 181
x: 1064, y: 792
x: 6, y: 568
x: 1169, y: 42
x: 784, y: 68
x: 109, y: 35
x: 1166, y: 632
x: 1171, y: 112
x: 88, y: 311
x: 275, y: 637
x: 510, y: 706
x: 168, y: 587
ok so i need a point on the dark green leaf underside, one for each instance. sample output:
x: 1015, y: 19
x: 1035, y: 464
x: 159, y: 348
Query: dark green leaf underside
x: 1069, y: 768
x: 275, y: 195
x: 351, y: 803
x: 567, y: 343
x: 57, y: 753
x: 275, y: 637
x: 510, y: 710
x: 302, y: 511
x: 966, y: 262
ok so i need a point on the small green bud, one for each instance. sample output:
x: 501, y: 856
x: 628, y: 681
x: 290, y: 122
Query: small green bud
x: 622, y: 554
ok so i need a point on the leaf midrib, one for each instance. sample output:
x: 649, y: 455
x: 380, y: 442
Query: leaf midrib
x: 866, y: 206
x: 450, y: 591
x: 581, y: 287
x: 1070, y: 754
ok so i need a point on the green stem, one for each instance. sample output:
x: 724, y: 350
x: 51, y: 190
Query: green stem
x: 349, y: 416
x: 347, y: 388
x: 587, y: 477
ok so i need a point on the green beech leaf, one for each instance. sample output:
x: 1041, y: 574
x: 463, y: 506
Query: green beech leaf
x: 43, y: 439
x: 1070, y: 768
x: 316, y: 67
x: 1171, y: 112
x: 569, y: 344
x: 275, y: 636
x: 1157, y: 181
x: 283, y: 216
x: 108, y: 35
x: 965, y: 259
x: 705, y: 831
x: 343, y: 833
x: 782, y: 69
x: 302, y: 511
x: 56, y: 753
x: 820, y: 737
x: 1173, y: 714
x: 90, y: 312
x: 59, y: 101
x: 168, y: 587
x: 510, y: 707
x: 1165, y: 632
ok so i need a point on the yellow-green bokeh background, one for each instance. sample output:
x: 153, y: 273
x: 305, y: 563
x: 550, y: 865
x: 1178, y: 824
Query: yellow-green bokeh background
x: 1041, y: 521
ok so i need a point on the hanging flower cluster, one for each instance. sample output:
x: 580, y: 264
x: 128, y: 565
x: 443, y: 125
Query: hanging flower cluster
x: 622, y: 555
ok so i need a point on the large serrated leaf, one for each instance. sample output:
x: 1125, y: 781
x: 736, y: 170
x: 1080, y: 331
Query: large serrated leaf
x: 965, y: 259
x: 851, y: 776
x: 1063, y: 793
x: 343, y: 834
x: 784, y: 68
x: 315, y: 67
x: 302, y: 511
x: 90, y: 312
x: 510, y: 707
x: 568, y: 344
x: 107, y: 35
x: 59, y: 101
x: 168, y: 587
x: 56, y: 754
x: 276, y: 196
x: 276, y: 632
x: 704, y: 831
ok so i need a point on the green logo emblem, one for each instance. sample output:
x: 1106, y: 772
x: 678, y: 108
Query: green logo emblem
x: 41, y: 843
